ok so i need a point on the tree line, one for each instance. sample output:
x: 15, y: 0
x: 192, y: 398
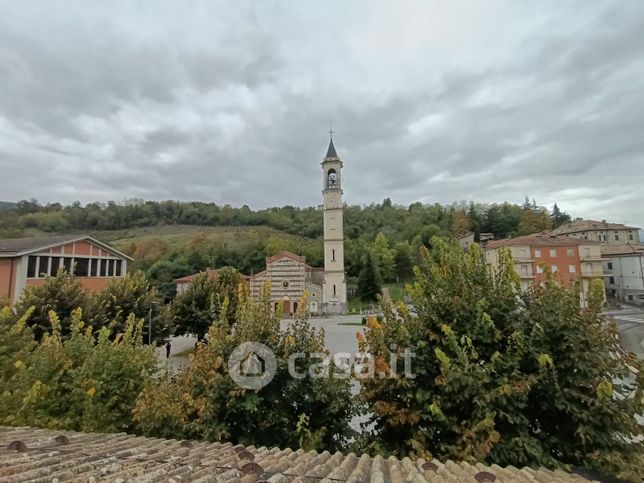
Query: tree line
x: 501, y: 375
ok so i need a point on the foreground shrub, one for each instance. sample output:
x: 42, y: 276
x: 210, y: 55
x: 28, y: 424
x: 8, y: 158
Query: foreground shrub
x: 84, y: 382
x: 502, y: 376
x: 202, y: 400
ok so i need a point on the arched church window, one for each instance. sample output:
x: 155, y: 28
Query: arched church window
x: 332, y: 178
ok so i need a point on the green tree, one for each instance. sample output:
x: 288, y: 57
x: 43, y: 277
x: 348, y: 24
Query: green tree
x: 369, y: 282
x: 202, y: 401
x: 84, y: 382
x: 61, y: 294
x: 193, y: 311
x: 131, y: 295
x: 501, y: 376
x: 558, y: 217
x: 534, y: 220
x: 404, y: 263
x: 385, y: 257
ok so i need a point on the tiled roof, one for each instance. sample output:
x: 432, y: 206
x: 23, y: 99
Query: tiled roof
x: 540, y: 240
x: 12, y: 247
x: 19, y: 245
x: 627, y: 249
x: 212, y: 272
x: 28, y: 454
x: 285, y: 254
x: 584, y: 225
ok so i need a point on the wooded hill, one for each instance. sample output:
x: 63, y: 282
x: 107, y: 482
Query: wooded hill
x: 170, y: 239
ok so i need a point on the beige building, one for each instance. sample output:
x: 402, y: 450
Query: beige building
x: 289, y: 278
x: 624, y: 272
x: 467, y: 240
x: 601, y: 231
x: 571, y: 259
x: 334, y: 287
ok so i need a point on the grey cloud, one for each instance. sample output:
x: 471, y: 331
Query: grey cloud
x: 230, y: 103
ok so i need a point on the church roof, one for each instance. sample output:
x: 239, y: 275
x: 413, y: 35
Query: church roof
x: 330, y: 153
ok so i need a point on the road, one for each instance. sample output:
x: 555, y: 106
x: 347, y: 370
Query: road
x: 630, y: 327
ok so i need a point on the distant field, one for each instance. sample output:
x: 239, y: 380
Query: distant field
x: 178, y: 235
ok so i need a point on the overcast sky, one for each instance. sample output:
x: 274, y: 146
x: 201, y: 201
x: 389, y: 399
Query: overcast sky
x: 231, y: 101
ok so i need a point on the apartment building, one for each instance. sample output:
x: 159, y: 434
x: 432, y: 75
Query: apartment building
x: 601, y: 231
x: 28, y: 261
x: 570, y: 258
x: 624, y: 272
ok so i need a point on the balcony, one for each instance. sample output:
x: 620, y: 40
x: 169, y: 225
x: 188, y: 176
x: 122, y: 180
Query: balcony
x: 592, y: 273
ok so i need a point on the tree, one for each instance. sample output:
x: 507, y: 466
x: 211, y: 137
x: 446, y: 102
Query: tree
x: 385, y: 257
x: 369, y: 282
x: 131, y: 295
x: 533, y: 220
x: 61, y: 294
x: 461, y: 223
x: 502, y: 376
x: 193, y: 310
x: 203, y: 401
x: 558, y: 217
x: 84, y: 382
x: 403, y: 261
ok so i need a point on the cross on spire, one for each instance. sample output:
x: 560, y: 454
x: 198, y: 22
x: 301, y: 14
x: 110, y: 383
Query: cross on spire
x: 331, y: 131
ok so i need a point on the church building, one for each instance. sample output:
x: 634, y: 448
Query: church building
x: 288, y: 274
x: 290, y: 277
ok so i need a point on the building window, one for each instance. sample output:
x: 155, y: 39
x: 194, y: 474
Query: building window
x: 93, y: 267
x: 537, y: 252
x: 43, y: 266
x: 539, y: 268
x: 103, y: 270
x: 81, y: 269
x: 630, y: 236
x: 570, y: 252
x: 611, y: 280
x: 333, y: 255
x: 572, y: 268
x: 553, y: 252
x: 67, y: 263
x: 599, y: 237
x: 55, y: 265
x: 555, y: 269
x: 609, y: 265
x: 119, y: 268
x: 31, y: 267
x: 616, y: 236
x: 334, y: 290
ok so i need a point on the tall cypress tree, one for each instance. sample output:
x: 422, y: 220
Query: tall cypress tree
x: 369, y: 281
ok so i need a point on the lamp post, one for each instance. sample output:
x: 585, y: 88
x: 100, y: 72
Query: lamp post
x: 150, y: 322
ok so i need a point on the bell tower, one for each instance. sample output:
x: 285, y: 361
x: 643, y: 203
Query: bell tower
x: 334, y: 290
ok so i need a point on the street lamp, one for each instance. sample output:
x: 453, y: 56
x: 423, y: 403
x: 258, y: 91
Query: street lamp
x: 150, y: 322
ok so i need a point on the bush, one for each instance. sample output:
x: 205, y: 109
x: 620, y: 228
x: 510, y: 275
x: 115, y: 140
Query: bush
x: 202, y: 400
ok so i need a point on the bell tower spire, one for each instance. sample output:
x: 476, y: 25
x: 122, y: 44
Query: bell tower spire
x: 334, y: 290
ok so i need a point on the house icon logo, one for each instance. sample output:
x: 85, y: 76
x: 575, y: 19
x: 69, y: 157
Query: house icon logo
x: 252, y: 365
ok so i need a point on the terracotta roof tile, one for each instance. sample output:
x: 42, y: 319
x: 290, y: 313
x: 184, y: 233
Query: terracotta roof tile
x: 585, y: 225
x: 50, y: 455
x: 627, y: 249
x: 540, y: 240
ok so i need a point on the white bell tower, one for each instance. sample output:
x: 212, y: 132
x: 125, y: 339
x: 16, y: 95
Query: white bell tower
x: 334, y: 290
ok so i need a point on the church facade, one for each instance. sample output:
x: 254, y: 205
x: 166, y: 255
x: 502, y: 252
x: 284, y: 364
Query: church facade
x: 290, y: 277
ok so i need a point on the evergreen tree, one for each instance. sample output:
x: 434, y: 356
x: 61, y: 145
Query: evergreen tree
x: 369, y: 282
x: 558, y: 217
